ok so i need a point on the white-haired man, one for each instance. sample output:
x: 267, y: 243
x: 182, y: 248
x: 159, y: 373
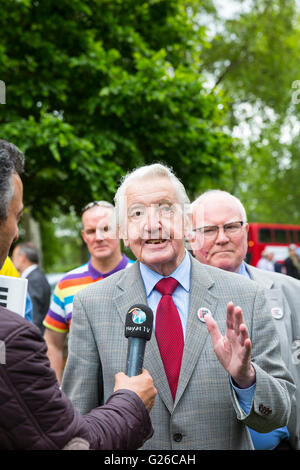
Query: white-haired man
x: 202, y: 389
x: 221, y: 240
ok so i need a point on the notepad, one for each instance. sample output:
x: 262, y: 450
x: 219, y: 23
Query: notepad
x: 13, y: 292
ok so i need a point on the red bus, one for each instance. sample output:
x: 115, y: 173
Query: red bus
x: 275, y: 237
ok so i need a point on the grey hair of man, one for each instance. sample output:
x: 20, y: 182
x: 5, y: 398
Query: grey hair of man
x: 218, y: 192
x: 105, y: 204
x: 11, y: 161
x: 155, y: 170
x: 30, y: 251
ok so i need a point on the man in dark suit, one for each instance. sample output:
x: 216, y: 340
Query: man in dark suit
x: 26, y: 258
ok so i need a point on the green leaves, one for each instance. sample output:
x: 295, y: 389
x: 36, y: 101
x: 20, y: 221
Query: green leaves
x: 254, y: 58
x: 96, y: 88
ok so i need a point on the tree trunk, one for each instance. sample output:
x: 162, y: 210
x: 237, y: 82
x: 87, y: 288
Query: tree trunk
x: 33, y: 233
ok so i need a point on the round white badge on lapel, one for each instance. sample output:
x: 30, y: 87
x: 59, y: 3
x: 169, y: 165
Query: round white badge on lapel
x: 277, y: 313
x: 202, y: 312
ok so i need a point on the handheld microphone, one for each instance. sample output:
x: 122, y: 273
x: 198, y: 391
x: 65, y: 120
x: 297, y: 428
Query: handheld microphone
x: 138, y: 330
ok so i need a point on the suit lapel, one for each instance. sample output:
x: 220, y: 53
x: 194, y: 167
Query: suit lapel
x: 273, y: 294
x: 260, y: 276
x: 197, y: 333
x: 129, y: 291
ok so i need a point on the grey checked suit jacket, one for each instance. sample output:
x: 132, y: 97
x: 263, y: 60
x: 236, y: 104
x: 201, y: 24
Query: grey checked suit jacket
x: 283, y: 292
x: 206, y: 413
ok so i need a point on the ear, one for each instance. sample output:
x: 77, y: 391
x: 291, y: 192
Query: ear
x: 189, y: 234
x: 83, y: 236
x: 191, y: 243
x: 22, y: 257
x: 123, y: 236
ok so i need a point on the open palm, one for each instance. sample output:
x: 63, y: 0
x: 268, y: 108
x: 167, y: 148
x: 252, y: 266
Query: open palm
x: 233, y: 350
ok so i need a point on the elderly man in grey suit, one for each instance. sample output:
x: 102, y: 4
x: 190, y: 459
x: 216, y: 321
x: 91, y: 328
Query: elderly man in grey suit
x: 220, y: 239
x: 209, y: 389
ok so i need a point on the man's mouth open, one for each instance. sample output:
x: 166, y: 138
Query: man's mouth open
x: 156, y: 241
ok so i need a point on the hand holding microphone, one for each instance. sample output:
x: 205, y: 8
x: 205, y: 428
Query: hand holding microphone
x: 141, y: 384
x: 138, y: 330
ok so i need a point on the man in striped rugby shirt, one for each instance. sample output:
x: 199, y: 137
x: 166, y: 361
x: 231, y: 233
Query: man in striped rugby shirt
x: 106, y: 258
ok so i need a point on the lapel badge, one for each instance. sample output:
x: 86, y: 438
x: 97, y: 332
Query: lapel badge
x: 202, y: 312
x: 277, y: 313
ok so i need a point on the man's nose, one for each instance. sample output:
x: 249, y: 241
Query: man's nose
x: 152, y: 220
x: 99, y: 234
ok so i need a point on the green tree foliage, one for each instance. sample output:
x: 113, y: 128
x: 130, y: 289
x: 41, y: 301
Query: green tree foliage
x: 256, y: 54
x: 273, y: 174
x: 95, y: 88
x: 63, y: 248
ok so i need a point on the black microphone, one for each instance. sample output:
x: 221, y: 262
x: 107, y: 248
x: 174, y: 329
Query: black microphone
x: 138, y: 330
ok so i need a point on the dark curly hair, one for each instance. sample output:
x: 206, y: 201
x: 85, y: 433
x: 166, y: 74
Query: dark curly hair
x: 11, y: 161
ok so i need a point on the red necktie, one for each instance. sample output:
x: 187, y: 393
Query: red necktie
x: 168, y: 332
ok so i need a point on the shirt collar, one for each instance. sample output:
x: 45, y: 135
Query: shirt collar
x: 181, y: 274
x: 28, y: 270
x: 243, y: 270
x: 95, y: 274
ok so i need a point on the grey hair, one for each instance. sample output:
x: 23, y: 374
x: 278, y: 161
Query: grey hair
x: 11, y: 161
x: 218, y: 192
x: 106, y: 205
x: 91, y: 205
x: 155, y: 170
x: 103, y: 204
x: 30, y: 251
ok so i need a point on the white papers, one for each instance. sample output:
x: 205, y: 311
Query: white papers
x: 13, y: 292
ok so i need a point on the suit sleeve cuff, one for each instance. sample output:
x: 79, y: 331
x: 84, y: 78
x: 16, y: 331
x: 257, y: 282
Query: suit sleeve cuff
x: 244, y: 396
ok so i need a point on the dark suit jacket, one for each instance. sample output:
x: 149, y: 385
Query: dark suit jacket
x: 40, y: 294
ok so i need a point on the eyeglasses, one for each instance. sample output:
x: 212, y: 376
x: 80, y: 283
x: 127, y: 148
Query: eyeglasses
x: 211, y: 231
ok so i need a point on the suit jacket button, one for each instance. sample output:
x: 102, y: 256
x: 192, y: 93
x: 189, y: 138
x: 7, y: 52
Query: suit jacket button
x: 262, y: 408
x: 177, y: 437
x: 265, y: 410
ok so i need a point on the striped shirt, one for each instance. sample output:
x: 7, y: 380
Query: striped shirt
x: 59, y: 314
